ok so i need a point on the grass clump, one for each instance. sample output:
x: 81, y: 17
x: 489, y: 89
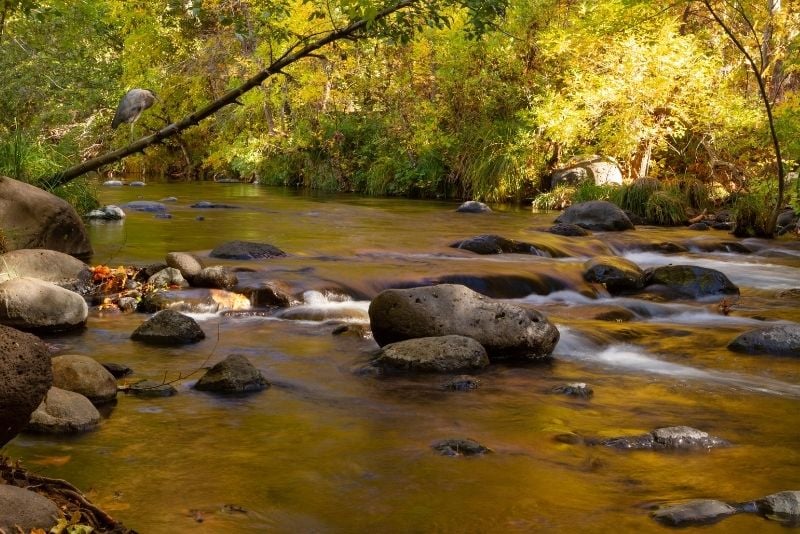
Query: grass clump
x: 665, y: 208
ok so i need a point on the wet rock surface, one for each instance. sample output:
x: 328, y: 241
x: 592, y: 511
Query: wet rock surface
x: 441, y: 354
x: 246, y: 250
x: 84, y: 375
x: 234, y: 374
x: 461, y: 383
x: 617, y: 274
x: 495, y: 244
x: 39, y: 306
x: 473, y: 206
x: 215, y: 277
x: 169, y: 327
x: 169, y: 277
x: 575, y: 389
x: 689, y: 281
x: 674, y: 437
x: 778, y: 340
x: 47, y: 265
x: 187, y: 264
x: 460, y: 447
x: 64, y: 412
x: 149, y: 388
x: 117, y: 370
x: 596, y: 215
x: 783, y: 507
x: 568, y: 230
x: 696, y: 512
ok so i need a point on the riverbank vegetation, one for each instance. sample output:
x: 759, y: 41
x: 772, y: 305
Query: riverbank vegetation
x: 456, y: 110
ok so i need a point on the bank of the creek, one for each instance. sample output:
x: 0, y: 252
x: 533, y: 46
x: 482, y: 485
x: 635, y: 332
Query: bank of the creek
x: 327, y: 449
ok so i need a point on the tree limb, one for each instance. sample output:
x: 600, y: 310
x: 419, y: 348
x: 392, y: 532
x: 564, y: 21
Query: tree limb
x: 228, y: 98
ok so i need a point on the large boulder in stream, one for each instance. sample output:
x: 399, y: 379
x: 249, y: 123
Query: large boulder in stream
x: 504, y: 329
x: 246, y: 250
x: 443, y: 354
x: 217, y: 277
x: 696, y: 512
x: 187, y: 264
x: 673, y: 437
x: 689, y: 281
x: 23, y: 510
x: 169, y: 327
x: 25, y: 377
x: 86, y: 376
x: 48, y: 265
x: 33, y: 218
x: 64, y: 412
x: 35, y: 305
x: 778, y: 340
x: 596, y: 215
x: 234, y: 374
x: 495, y: 244
x: 617, y: 274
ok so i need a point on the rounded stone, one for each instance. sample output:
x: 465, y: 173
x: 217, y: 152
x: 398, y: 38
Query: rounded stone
x: 473, y: 206
x: 234, y: 374
x: 48, y: 265
x: 619, y: 275
x: 31, y: 304
x: 596, y: 215
x: 187, y: 264
x: 22, y: 510
x: 169, y: 277
x: 64, y: 412
x: 169, y: 327
x: 697, y: 512
x: 246, y: 250
x: 443, y: 354
x: 778, y: 340
x: 690, y: 281
x: 86, y: 376
x: 215, y: 277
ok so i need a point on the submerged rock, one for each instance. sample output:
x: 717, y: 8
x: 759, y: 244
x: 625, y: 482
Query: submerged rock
x: 505, y: 330
x: 84, y: 375
x: 696, y: 512
x: 460, y: 447
x: 246, y: 250
x: 690, y: 281
x: 596, y: 215
x: 234, y: 374
x: 441, y: 354
x: 495, y: 244
x: 64, y: 412
x: 117, y: 370
x: 783, y: 506
x: 169, y: 327
x: 568, y: 230
x: 147, y: 206
x: 617, y: 274
x: 204, y: 204
x: 778, y: 340
x: 25, y: 377
x: 575, y: 389
x: 22, y: 510
x: 148, y: 388
x: 473, y: 206
x: 271, y: 293
x: 674, y: 437
x: 461, y: 383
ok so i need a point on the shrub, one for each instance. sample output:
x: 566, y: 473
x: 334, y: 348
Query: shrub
x: 634, y: 197
x: 665, y: 208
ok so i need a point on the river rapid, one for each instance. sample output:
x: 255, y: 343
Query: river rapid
x: 327, y: 449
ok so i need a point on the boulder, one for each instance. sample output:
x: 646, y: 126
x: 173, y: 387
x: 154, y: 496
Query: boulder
x: 25, y: 377
x: 107, y: 213
x: 271, y: 293
x: 64, y: 412
x: 216, y: 277
x: 690, y: 281
x: 204, y: 204
x: 117, y: 370
x: 696, y: 512
x: 674, y: 437
x: 459, y: 447
x: 568, y: 230
x: 617, y: 274
x: 699, y: 226
x: 169, y: 327
x: 234, y: 374
x: 778, y: 340
x: 169, y: 277
x: 505, y: 330
x: 86, y: 376
x: 473, y: 206
x: 23, y: 510
x: 31, y: 304
x: 596, y: 215
x: 495, y: 244
x: 187, y: 264
x: 48, y: 265
x: 601, y: 170
x: 786, y: 217
x: 443, y: 354
x: 783, y: 506
x: 33, y: 218
x: 246, y: 250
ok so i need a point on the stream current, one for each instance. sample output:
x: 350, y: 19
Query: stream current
x: 326, y: 449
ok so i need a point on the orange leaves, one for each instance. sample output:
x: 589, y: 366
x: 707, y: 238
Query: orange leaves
x: 108, y: 280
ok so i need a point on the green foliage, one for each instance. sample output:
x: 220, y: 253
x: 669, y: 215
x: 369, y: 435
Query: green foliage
x: 750, y: 215
x: 665, y: 208
x: 558, y: 198
x: 634, y: 197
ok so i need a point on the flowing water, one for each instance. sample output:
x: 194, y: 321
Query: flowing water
x: 326, y: 449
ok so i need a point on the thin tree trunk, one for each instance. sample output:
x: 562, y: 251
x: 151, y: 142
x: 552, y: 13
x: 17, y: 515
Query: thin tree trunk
x: 231, y: 97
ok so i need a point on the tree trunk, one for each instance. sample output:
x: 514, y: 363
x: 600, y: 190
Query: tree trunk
x: 641, y: 162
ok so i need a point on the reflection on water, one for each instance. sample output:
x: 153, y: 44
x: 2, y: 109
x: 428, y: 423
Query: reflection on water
x: 328, y: 450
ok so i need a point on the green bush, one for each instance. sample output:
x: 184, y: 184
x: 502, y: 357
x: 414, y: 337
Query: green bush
x: 634, y: 197
x: 665, y: 208
x: 751, y: 215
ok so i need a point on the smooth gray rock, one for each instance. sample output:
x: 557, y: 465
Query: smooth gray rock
x: 187, y: 264
x: 84, y: 375
x: 617, y: 274
x: 443, y: 354
x: 169, y: 327
x: 596, y: 215
x: 22, y: 510
x: 690, y: 281
x: 674, y: 437
x: 495, y: 244
x: 113, y: 183
x: 25, y: 377
x: 64, y: 412
x: 169, y: 277
x: 246, y: 250
x: 696, y: 512
x: 150, y: 389
x: 48, y: 265
x: 473, y: 206
x: 36, y: 305
x: 217, y: 277
x: 271, y: 293
x: 786, y: 217
x: 783, y: 506
x: 33, y: 218
x: 234, y: 374
x: 107, y: 213
x: 504, y: 329
x: 778, y: 340
x: 599, y: 169
x: 117, y: 370
x: 459, y: 447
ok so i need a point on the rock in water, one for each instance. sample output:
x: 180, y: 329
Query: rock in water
x: 33, y: 218
x: 690, y: 281
x: 246, y: 250
x: 697, y: 512
x: 617, y: 274
x: 22, y: 510
x: 504, y: 329
x: 25, y: 377
x: 169, y: 277
x: 673, y: 437
x: 473, y: 206
x: 86, y: 376
x: 35, y: 305
x: 460, y: 447
x: 64, y: 412
x: 149, y: 388
x: 48, y: 265
x: 779, y: 340
x: 575, y: 389
x: 596, y: 215
x: 234, y: 374
x: 215, y: 277
x: 169, y: 327
x: 187, y: 264
x: 461, y: 383
x: 783, y: 507
x: 443, y: 354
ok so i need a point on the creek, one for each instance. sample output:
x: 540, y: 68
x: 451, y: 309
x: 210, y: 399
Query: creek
x: 326, y: 449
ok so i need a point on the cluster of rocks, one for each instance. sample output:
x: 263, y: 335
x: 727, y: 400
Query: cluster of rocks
x: 783, y: 507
